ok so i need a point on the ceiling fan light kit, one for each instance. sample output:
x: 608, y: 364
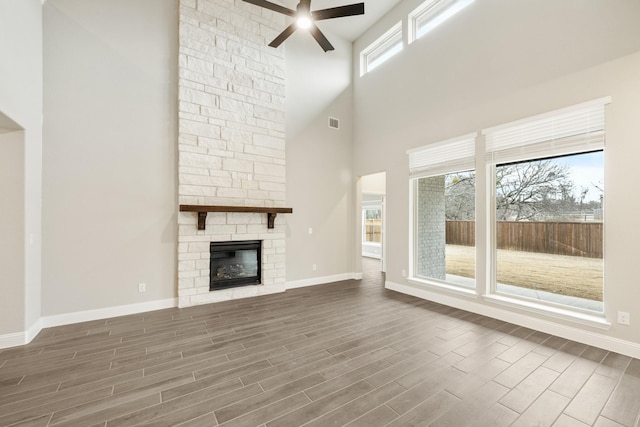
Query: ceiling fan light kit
x: 305, y: 19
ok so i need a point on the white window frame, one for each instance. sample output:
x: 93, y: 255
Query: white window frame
x: 573, y: 130
x: 383, y: 48
x: 431, y: 14
x: 440, y: 158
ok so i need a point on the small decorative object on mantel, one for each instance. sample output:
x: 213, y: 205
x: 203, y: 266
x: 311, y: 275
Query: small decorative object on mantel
x: 202, y: 211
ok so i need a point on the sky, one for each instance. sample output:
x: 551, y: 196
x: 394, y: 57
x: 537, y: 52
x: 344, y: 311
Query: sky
x: 586, y: 170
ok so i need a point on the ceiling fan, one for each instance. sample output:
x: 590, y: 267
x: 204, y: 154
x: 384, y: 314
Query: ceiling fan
x: 305, y: 19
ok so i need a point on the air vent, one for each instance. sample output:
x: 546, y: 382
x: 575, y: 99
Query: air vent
x: 334, y: 123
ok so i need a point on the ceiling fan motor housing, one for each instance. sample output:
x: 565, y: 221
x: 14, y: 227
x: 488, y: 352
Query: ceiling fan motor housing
x: 303, y: 10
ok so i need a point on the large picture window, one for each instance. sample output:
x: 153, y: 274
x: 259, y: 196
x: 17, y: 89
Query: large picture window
x: 445, y: 222
x: 544, y: 192
x: 549, y: 230
x: 547, y: 233
x: 444, y: 212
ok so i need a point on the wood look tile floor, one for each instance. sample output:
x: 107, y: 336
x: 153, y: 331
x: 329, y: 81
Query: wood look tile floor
x: 349, y: 353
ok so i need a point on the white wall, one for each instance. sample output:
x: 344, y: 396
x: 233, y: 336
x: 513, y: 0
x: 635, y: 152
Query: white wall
x: 12, y: 243
x: 21, y: 101
x: 319, y: 180
x: 494, y: 63
x: 110, y: 158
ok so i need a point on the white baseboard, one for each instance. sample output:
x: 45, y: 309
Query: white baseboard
x: 105, y: 313
x: 323, y: 280
x: 12, y: 340
x: 33, y: 331
x: 20, y: 338
x: 25, y: 337
x: 595, y: 339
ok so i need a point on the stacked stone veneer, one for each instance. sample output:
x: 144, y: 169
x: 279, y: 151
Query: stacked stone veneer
x: 431, y: 223
x: 231, y: 140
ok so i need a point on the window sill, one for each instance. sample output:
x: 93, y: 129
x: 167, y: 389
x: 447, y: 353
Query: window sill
x: 595, y: 320
x: 458, y: 290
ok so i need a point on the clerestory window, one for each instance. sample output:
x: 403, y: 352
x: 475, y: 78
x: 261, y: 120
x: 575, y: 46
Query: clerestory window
x: 378, y: 52
x: 431, y: 14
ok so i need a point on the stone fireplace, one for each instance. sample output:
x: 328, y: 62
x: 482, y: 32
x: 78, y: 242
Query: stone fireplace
x: 231, y: 146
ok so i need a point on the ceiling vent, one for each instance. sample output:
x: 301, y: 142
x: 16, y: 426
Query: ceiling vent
x: 334, y: 123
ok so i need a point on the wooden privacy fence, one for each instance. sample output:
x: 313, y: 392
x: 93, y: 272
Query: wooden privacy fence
x: 559, y: 238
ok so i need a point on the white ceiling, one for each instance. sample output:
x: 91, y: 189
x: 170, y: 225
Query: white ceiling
x: 349, y: 28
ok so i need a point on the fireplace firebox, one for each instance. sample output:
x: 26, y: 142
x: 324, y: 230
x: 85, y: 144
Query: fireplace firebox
x: 235, y: 264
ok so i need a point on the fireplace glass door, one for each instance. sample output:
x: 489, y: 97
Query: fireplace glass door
x: 234, y: 264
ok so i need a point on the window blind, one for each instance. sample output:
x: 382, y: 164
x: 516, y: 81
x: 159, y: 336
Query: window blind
x: 452, y: 155
x: 579, y: 128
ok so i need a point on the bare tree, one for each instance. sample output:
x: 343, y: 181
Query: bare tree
x: 524, y: 191
x: 530, y: 189
x: 599, y: 186
x: 460, y: 193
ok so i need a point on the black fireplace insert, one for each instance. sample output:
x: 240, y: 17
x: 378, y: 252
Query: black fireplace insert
x: 235, y: 264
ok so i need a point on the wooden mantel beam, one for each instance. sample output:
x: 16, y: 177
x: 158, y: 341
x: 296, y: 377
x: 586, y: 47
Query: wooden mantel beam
x: 202, y: 211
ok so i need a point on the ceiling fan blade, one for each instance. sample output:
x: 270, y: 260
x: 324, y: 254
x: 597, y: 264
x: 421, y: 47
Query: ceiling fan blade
x: 338, y: 12
x: 283, y: 35
x: 320, y: 38
x: 272, y: 6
